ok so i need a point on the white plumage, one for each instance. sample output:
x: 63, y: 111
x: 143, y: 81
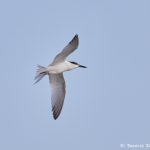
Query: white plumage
x: 55, y: 72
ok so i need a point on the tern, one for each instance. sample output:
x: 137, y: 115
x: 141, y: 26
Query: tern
x: 55, y: 72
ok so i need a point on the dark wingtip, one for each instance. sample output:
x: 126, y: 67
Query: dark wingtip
x: 75, y: 38
x: 76, y: 35
x: 55, y: 113
x: 55, y: 116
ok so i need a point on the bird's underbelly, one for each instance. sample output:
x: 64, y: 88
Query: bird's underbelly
x: 57, y: 69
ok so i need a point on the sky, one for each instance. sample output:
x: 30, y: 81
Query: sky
x: 106, y: 105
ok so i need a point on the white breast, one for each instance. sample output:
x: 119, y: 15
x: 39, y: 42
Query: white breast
x: 61, y: 67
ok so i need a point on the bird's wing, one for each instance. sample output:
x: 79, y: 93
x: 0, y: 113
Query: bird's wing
x: 57, y: 93
x: 72, y: 45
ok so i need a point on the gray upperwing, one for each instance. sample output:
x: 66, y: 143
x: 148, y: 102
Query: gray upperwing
x: 72, y: 45
x: 57, y: 93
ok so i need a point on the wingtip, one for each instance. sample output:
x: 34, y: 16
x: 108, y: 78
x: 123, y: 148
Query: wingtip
x: 75, y: 39
x: 76, y: 36
x: 55, y: 116
x: 54, y: 113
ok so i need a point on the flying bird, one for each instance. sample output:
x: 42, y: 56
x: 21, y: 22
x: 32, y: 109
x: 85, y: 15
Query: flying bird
x: 55, y: 72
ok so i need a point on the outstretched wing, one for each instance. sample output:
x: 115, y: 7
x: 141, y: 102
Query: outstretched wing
x: 57, y: 93
x: 72, y: 45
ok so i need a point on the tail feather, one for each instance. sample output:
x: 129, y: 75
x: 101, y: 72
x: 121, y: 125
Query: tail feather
x: 40, y: 73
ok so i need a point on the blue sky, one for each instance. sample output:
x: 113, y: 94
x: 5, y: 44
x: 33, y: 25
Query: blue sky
x: 106, y: 104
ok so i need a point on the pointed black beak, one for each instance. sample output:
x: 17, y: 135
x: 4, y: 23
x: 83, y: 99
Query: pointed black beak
x: 82, y: 66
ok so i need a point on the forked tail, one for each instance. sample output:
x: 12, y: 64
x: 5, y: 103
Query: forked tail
x: 40, y: 73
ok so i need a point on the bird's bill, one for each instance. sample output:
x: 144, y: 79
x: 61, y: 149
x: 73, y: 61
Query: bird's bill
x: 82, y: 66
